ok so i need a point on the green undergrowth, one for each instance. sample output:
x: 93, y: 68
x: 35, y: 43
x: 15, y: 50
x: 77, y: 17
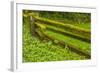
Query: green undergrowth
x: 77, y: 19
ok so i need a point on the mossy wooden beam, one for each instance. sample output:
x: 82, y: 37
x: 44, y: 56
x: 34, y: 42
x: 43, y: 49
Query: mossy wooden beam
x: 71, y: 46
x: 62, y: 31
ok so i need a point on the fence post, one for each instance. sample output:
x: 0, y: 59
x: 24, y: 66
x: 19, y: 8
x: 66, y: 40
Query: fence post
x: 32, y: 26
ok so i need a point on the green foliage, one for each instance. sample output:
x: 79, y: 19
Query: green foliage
x: 37, y: 50
x: 68, y: 17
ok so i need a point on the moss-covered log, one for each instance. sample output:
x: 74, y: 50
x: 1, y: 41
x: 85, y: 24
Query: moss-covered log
x: 64, y: 32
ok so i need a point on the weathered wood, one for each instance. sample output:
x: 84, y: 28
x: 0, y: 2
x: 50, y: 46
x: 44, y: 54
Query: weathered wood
x: 64, y: 32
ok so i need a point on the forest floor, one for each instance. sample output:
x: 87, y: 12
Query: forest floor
x: 36, y: 50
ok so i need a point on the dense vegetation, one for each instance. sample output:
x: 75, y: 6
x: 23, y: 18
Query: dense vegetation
x: 36, y: 49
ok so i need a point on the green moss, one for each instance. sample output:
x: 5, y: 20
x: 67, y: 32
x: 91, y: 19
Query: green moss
x: 36, y: 50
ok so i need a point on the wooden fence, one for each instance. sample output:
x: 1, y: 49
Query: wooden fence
x: 40, y: 25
